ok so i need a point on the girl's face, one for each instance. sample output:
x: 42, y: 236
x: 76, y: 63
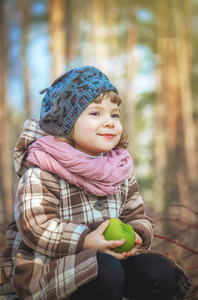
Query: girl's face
x: 98, y: 128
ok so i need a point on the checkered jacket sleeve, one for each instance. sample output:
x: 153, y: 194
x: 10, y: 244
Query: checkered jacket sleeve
x: 38, y: 218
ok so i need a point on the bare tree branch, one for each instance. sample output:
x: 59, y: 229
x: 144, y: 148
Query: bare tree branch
x: 177, y: 243
x: 186, y: 207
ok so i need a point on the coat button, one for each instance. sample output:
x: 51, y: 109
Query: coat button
x: 99, y: 205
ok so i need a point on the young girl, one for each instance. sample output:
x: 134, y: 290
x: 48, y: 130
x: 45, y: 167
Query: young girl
x: 75, y: 176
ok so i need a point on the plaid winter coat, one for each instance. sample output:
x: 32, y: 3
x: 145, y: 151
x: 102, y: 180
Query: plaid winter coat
x: 43, y: 256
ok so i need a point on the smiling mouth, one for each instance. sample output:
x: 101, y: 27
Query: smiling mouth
x: 108, y: 136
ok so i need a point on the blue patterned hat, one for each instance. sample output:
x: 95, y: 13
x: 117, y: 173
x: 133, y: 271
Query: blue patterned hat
x: 68, y: 96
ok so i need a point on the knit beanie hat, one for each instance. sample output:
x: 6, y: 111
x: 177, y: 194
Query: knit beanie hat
x: 68, y: 96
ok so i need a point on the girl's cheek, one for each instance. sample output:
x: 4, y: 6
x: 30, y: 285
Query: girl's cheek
x: 121, y: 129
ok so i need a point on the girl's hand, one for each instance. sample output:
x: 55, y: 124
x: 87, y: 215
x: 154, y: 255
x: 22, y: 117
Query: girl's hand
x: 96, y: 240
x: 138, y: 243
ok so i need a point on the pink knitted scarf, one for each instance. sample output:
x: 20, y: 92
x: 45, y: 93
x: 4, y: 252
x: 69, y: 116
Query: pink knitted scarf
x: 100, y: 176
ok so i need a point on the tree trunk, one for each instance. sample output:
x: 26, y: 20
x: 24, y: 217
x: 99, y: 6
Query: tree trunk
x: 58, y: 37
x: 131, y: 71
x: 160, y: 159
x: 99, y: 41
x: 183, y: 51
x: 73, y: 25
x: 173, y: 48
x: 5, y: 157
x: 25, y: 18
x: 111, y: 27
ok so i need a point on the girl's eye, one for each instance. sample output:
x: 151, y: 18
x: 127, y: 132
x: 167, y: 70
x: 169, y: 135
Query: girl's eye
x: 94, y: 113
x: 115, y: 116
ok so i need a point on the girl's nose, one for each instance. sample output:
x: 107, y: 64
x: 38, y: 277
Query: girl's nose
x: 108, y: 122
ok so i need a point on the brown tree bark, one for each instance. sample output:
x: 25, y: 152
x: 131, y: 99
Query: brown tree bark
x: 5, y: 157
x: 74, y: 11
x: 160, y: 159
x: 99, y: 40
x: 25, y: 19
x: 174, y: 52
x: 132, y: 65
x: 111, y: 27
x: 58, y: 37
x: 183, y: 51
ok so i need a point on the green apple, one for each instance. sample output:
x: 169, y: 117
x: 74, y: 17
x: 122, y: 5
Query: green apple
x: 118, y: 230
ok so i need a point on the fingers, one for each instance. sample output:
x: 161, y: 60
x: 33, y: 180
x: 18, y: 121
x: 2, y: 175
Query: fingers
x: 102, y: 227
x: 133, y: 251
x: 138, y: 239
x: 119, y: 256
x: 114, y: 244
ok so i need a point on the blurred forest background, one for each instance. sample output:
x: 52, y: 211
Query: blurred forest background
x: 148, y: 49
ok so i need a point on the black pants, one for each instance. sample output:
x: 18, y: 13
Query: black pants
x: 143, y: 277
